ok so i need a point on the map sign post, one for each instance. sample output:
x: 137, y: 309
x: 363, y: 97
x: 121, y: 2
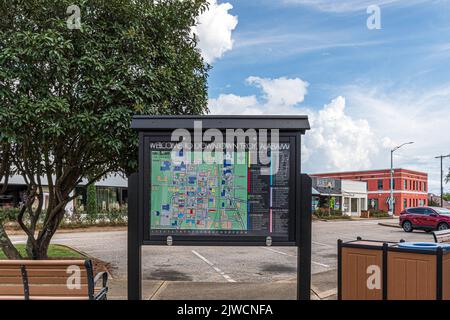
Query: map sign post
x: 219, y: 181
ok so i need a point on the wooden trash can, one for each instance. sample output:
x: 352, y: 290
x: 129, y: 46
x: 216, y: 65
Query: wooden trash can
x: 418, y: 274
x: 358, y: 261
x: 376, y: 270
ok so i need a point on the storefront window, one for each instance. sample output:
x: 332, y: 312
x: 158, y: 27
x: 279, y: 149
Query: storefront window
x: 109, y: 198
x: 346, y: 204
x: 363, y: 204
x: 380, y: 184
x: 373, y: 204
x: 354, y: 205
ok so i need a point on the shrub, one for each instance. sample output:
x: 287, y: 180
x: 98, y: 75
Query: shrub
x: 113, y: 217
x: 324, y: 213
x: 8, y: 214
x: 378, y: 214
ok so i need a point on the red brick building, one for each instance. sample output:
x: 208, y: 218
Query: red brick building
x: 410, y: 187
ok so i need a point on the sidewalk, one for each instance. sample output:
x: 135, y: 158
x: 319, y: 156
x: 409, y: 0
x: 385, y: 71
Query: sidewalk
x: 323, y: 288
x: 392, y: 223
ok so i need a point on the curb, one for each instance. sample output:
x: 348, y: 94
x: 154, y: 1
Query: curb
x: 389, y: 225
x: 89, y: 257
x: 81, y: 253
x: 352, y: 219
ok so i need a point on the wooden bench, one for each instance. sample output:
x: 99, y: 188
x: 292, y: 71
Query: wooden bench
x: 442, y: 236
x: 51, y: 280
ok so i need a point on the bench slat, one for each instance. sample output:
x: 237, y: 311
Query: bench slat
x: 8, y: 297
x: 442, y: 236
x: 44, y: 298
x: 59, y: 298
x: 38, y: 273
x: 11, y: 289
x: 44, y: 290
x: 38, y: 267
x: 39, y: 280
x: 30, y: 263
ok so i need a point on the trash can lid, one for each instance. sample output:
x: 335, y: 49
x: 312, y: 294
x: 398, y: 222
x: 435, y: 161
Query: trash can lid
x: 424, y: 245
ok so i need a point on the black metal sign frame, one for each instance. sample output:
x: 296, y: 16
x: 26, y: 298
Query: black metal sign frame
x: 139, y: 197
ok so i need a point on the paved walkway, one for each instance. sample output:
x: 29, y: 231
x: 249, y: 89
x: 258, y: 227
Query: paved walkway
x: 324, y: 288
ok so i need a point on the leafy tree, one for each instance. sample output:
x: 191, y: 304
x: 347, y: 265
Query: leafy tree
x: 5, y: 172
x: 332, y: 202
x: 67, y: 95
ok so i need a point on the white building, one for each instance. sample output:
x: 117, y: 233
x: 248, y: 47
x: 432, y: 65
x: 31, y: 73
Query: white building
x: 349, y: 196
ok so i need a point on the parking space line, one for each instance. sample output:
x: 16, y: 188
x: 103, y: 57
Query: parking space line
x: 323, y: 244
x: 225, y: 276
x: 281, y: 252
x: 321, y: 264
x: 295, y: 256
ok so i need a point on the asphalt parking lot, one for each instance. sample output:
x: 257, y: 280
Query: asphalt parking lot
x: 231, y: 264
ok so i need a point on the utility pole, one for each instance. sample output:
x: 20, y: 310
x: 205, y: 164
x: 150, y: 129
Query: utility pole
x: 442, y: 177
x: 391, y: 199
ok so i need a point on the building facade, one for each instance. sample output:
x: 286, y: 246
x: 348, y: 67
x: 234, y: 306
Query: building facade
x: 348, y: 196
x: 111, y: 192
x: 435, y: 200
x: 410, y: 187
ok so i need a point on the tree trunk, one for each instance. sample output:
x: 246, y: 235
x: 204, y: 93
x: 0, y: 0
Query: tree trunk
x: 6, y: 245
x: 39, y: 251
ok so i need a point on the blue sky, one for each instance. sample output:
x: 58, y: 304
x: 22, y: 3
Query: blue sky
x: 365, y: 90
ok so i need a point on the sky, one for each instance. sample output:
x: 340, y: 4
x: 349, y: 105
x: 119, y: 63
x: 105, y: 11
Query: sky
x: 370, y: 78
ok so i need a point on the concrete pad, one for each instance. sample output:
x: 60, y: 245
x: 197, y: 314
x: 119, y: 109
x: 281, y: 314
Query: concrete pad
x: 324, y: 284
x: 323, y: 287
x: 181, y: 290
x: 118, y: 289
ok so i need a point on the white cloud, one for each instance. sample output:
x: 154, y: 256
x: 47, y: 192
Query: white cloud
x: 233, y: 104
x: 336, y: 141
x: 420, y: 115
x: 282, y: 91
x: 279, y: 96
x: 214, y: 30
x: 357, y: 132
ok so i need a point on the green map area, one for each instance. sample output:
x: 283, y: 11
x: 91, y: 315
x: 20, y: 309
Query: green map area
x: 198, y: 196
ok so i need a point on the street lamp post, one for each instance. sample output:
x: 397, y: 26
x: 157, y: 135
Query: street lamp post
x: 442, y: 177
x: 391, y: 198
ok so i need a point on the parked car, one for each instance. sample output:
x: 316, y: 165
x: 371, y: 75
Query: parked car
x: 425, y: 218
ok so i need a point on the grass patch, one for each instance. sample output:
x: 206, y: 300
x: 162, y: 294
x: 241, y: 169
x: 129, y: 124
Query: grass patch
x: 54, y: 252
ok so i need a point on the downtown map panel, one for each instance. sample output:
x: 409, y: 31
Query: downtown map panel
x: 201, y: 197
x: 229, y: 198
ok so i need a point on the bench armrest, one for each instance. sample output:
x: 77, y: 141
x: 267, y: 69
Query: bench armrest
x: 102, y: 294
x: 442, y: 236
x: 102, y: 275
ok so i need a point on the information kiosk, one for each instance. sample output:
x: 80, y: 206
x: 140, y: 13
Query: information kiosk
x: 219, y: 181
